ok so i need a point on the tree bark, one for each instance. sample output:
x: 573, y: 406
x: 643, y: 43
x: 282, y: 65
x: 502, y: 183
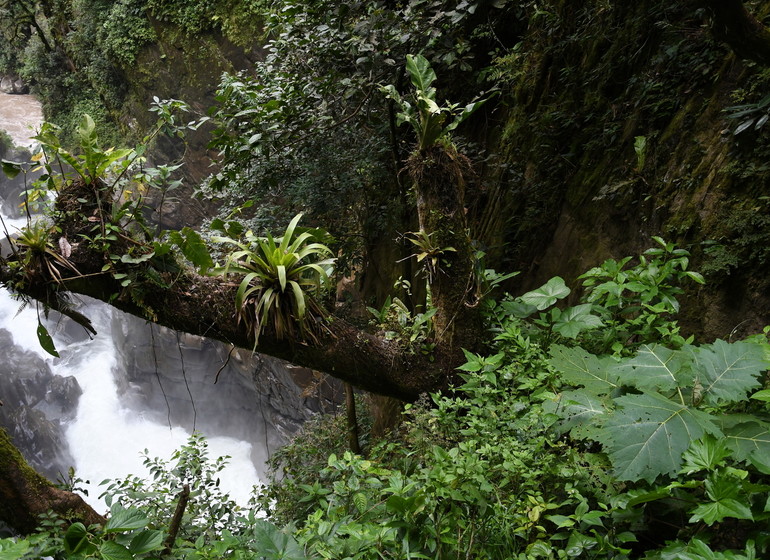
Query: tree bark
x: 24, y: 494
x: 734, y: 25
x: 439, y: 174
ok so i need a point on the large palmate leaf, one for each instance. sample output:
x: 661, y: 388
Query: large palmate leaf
x: 579, y: 367
x: 547, y: 294
x: 579, y: 411
x: 574, y: 320
x: 727, y: 371
x: 746, y: 435
x: 656, y: 368
x: 648, y: 434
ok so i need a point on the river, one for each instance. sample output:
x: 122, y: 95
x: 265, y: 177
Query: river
x: 21, y: 117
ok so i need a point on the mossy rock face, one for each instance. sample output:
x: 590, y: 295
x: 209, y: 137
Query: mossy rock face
x: 588, y: 82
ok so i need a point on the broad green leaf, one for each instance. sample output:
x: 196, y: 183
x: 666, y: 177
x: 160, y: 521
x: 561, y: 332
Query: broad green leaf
x: 467, y: 111
x: 578, y: 409
x: 122, y: 519
x: 647, y: 436
x: 518, y: 309
x: 746, y: 435
x: 574, y: 320
x: 76, y: 539
x: 110, y: 550
x: 193, y: 247
x: 724, y: 491
x: 547, y: 294
x: 46, y: 342
x: 10, y: 550
x: 706, y: 453
x: 763, y: 395
x: 727, y: 371
x: 128, y: 259
x: 273, y: 543
x: 11, y: 168
x: 715, y: 512
x: 360, y: 501
x: 643, y: 495
x: 655, y: 368
x: 420, y: 72
x: 146, y: 541
x: 579, y: 367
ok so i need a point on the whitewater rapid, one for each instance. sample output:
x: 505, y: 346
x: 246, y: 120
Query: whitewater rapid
x: 106, y: 438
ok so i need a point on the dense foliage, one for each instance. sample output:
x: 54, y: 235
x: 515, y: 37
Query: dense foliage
x: 651, y: 448
x: 591, y: 430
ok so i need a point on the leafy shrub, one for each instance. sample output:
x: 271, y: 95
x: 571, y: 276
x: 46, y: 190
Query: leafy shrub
x: 125, y: 31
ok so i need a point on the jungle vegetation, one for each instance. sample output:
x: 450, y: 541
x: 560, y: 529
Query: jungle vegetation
x: 411, y: 149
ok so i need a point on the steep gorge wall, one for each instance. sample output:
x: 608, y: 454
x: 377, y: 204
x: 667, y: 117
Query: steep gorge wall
x: 586, y: 81
x: 565, y: 188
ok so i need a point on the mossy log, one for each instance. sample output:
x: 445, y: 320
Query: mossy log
x: 205, y: 306
x: 25, y: 494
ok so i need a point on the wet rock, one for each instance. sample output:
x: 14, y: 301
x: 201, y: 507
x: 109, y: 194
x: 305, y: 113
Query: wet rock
x: 13, y: 85
x: 199, y: 383
x: 35, y: 402
x: 41, y: 442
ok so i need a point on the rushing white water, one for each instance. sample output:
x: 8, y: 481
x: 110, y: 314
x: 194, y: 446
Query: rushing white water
x: 106, y: 438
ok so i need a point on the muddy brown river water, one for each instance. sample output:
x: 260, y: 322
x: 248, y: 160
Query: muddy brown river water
x: 20, y: 116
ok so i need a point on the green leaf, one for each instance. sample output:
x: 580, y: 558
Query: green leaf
x: 655, y: 368
x: 11, y: 168
x: 579, y: 367
x: 76, y: 539
x: 122, y: 519
x: 746, y: 435
x: 706, y: 453
x: 110, y: 550
x: 272, y: 543
x: 724, y: 491
x: 128, y: 259
x: 193, y: 247
x: 10, y: 550
x: 727, y: 371
x: 763, y: 395
x: 360, y: 501
x: 420, y: 72
x: 146, y: 541
x: 579, y: 411
x: 647, y: 436
x: 715, y: 512
x: 547, y: 294
x: 46, y: 342
x: 574, y: 320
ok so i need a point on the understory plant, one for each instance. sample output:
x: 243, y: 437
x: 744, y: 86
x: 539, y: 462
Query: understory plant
x: 556, y: 445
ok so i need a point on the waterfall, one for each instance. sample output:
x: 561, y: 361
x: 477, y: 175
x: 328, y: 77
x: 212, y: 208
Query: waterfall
x: 135, y: 387
x: 106, y: 437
